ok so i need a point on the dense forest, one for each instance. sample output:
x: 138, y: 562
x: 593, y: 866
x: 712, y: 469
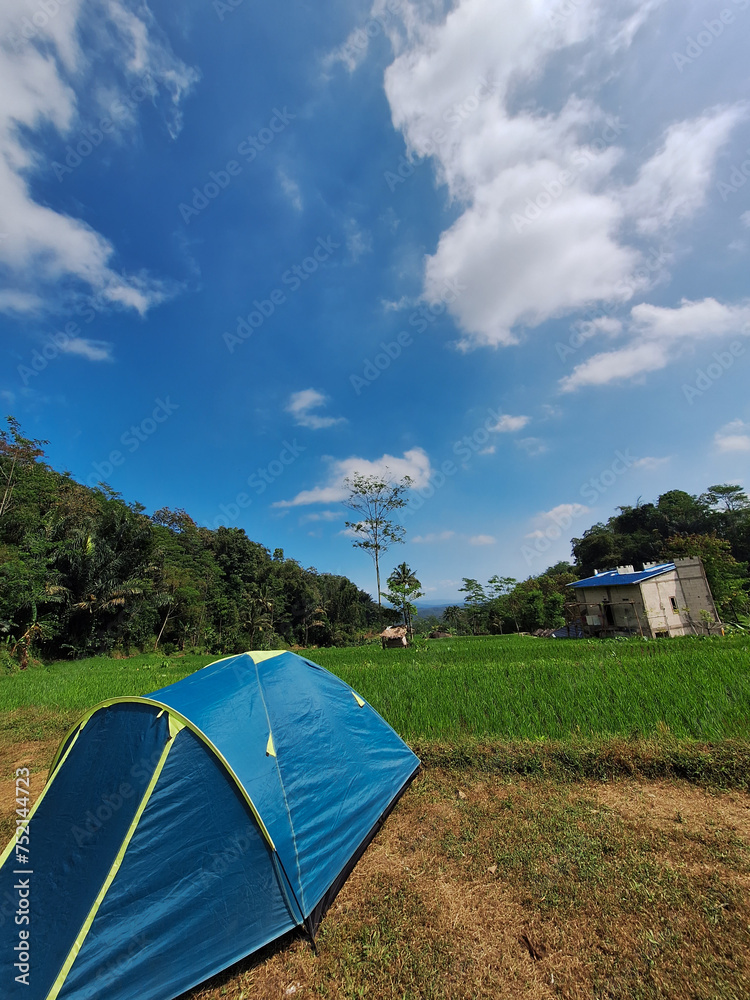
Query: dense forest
x: 82, y: 571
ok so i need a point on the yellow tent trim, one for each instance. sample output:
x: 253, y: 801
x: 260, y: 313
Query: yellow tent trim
x: 22, y: 826
x: 270, y: 749
x: 82, y: 934
x: 175, y: 726
x: 359, y: 701
x: 174, y: 718
x: 257, y: 656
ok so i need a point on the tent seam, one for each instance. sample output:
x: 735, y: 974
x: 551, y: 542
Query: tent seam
x: 286, y: 802
x: 25, y: 825
x: 138, y: 700
x: 114, y: 868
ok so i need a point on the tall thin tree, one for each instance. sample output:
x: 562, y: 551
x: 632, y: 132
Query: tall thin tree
x: 375, y: 499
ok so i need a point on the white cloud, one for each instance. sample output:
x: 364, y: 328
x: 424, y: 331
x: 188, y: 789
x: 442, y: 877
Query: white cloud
x: 414, y: 463
x: 532, y: 446
x: 391, y: 306
x: 482, y: 540
x: 13, y: 301
x: 745, y: 218
x: 650, y: 463
x: 92, y: 350
x: 433, y: 537
x: 552, y: 523
x: 301, y: 404
x: 50, y: 87
x: 734, y: 436
x: 358, y: 242
x: 658, y: 336
x: 507, y: 424
x: 539, y: 187
x: 673, y: 184
x: 291, y: 189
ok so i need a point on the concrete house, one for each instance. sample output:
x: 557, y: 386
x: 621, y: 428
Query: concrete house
x: 662, y: 599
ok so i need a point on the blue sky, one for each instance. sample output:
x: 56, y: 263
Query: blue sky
x: 502, y: 247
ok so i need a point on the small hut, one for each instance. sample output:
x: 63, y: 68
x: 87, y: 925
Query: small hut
x: 394, y: 637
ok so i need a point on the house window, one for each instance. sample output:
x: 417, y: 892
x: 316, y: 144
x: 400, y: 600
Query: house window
x: 674, y: 605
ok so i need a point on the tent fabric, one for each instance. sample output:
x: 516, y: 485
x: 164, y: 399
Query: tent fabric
x: 182, y: 831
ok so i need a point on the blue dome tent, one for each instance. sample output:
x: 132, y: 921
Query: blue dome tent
x: 183, y: 831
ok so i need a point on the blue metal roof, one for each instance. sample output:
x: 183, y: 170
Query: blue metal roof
x: 614, y: 579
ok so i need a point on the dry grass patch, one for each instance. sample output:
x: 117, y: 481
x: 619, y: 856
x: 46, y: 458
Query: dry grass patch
x: 491, y: 886
x: 495, y: 888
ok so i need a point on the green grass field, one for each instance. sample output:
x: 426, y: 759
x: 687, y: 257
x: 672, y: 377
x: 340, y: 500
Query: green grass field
x: 515, y: 866
x: 512, y: 688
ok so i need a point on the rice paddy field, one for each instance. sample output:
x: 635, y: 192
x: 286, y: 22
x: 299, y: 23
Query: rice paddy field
x: 580, y: 829
x: 509, y: 688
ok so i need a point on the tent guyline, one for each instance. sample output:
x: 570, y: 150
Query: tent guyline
x: 182, y: 831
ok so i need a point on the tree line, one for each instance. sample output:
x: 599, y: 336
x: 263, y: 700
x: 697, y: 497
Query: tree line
x: 714, y: 525
x: 83, y: 572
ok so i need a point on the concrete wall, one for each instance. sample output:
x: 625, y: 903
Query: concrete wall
x: 696, y: 592
x: 651, y: 610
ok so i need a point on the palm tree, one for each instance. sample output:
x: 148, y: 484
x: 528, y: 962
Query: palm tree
x: 404, y: 586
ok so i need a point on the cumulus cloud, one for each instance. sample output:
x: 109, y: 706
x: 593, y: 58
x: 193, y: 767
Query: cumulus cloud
x: 539, y: 188
x: 658, y: 336
x: 734, y: 436
x: 414, y: 463
x: 302, y: 404
x: 672, y: 185
x: 506, y: 424
x: 482, y: 540
x: 52, y: 88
